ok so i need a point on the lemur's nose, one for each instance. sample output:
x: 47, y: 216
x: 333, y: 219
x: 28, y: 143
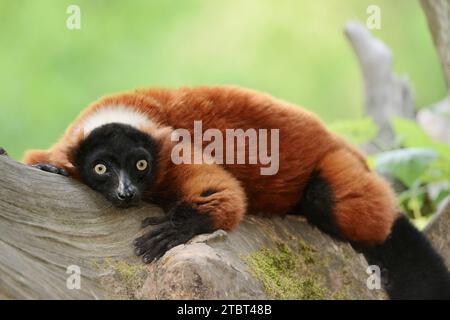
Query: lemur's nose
x: 128, y: 193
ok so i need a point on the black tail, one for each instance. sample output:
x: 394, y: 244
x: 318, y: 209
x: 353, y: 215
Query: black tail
x: 410, y: 267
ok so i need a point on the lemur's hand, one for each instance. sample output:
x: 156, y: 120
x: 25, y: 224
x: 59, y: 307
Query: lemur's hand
x: 3, y: 152
x: 179, y: 226
x: 50, y: 168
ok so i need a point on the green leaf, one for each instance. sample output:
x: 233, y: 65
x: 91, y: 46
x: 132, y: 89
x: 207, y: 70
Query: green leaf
x: 356, y: 131
x: 406, y: 165
x: 411, y: 135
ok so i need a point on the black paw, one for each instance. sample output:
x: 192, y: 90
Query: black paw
x: 179, y: 226
x: 3, y: 152
x: 151, y: 221
x: 50, y: 168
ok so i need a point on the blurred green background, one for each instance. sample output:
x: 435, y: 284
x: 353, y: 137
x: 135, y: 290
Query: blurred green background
x: 292, y: 49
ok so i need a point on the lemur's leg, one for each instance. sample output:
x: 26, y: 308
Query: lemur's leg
x: 210, y: 199
x: 40, y: 159
x: 345, y: 199
x: 3, y: 152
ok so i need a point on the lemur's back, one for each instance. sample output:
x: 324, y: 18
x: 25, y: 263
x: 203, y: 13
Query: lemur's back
x: 303, y: 140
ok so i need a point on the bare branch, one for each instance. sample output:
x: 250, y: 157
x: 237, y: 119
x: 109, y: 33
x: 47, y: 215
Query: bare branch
x: 49, y: 222
x: 386, y: 95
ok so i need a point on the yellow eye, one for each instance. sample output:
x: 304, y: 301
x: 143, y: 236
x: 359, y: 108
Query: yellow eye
x: 100, y: 168
x: 141, y: 165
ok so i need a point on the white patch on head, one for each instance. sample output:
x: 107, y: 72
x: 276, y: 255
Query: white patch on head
x: 115, y: 114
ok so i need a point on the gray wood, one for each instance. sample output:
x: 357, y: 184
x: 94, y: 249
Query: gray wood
x: 386, y: 94
x: 48, y: 222
x: 438, y: 17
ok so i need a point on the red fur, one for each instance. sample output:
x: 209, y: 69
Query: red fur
x: 364, y: 202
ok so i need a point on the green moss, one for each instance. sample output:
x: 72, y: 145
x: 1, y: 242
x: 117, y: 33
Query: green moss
x: 307, y: 252
x: 341, y: 295
x: 126, y: 278
x: 293, y: 272
x: 129, y: 273
x: 286, y: 273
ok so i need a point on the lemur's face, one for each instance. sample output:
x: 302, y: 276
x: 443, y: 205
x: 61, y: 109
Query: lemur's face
x: 118, y: 161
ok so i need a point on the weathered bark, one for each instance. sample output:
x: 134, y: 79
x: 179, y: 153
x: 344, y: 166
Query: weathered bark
x: 49, y: 222
x: 438, y: 230
x: 438, y: 16
x: 434, y: 119
x: 386, y: 95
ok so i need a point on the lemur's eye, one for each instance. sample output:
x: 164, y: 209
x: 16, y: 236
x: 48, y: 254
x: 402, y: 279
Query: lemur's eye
x: 141, y: 165
x: 100, y: 168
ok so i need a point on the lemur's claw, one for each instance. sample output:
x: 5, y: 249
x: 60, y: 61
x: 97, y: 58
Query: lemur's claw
x: 3, y: 152
x: 155, y: 243
x: 151, y: 221
x: 178, y: 227
x: 51, y: 168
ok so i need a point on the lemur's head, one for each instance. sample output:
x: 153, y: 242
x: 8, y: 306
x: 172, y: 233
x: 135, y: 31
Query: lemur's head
x: 119, y: 161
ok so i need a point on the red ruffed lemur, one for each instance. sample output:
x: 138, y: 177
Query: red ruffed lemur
x: 121, y: 146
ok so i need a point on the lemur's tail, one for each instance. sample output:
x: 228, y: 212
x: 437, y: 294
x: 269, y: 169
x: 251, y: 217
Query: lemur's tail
x: 349, y: 202
x: 410, y: 267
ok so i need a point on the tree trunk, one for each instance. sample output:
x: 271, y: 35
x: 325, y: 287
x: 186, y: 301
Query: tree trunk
x: 49, y: 222
x: 438, y: 16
